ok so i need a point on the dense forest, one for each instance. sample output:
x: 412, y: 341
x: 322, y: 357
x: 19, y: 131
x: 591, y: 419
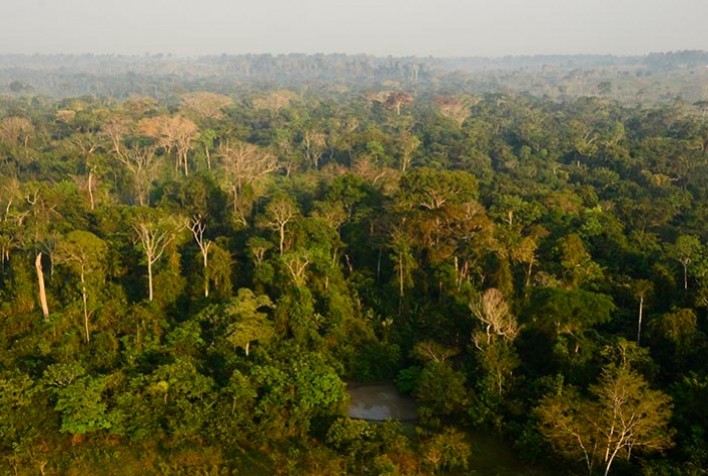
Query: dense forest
x: 657, y: 77
x: 189, y: 281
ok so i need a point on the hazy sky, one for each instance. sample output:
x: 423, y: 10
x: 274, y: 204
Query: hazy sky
x: 382, y: 27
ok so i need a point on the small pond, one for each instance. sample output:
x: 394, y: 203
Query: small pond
x: 378, y: 402
x: 381, y: 401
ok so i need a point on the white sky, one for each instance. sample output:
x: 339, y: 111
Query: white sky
x: 381, y: 27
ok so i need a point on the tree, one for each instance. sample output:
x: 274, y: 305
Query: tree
x: 431, y: 189
x: 154, y: 234
x: 497, y: 355
x: 206, y: 139
x: 249, y: 322
x: 577, y: 262
x: 244, y: 164
x: 404, y: 261
x: 171, y: 133
x: 88, y: 145
x: 197, y: 227
x: 448, y: 451
x: 139, y: 161
x: 82, y: 406
x: 624, y: 416
x: 295, y: 389
x: 456, y: 109
x: 441, y: 391
x: 678, y: 327
x: 274, y: 101
x: 314, y: 143
x: 560, y: 312
x: 85, y: 253
x: 641, y: 288
x: 685, y: 250
x: 396, y: 100
x: 16, y: 130
x: 115, y: 130
x: 40, y: 284
x: 407, y: 144
x: 206, y: 105
x: 278, y: 213
x: 493, y: 313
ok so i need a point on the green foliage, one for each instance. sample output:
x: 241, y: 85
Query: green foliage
x: 407, y: 379
x: 625, y: 417
x: 447, y: 451
x: 82, y: 406
x: 248, y: 322
x: 293, y: 393
x: 18, y: 398
x: 431, y: 189
x: 559, y: 311
x: 442, y: 393
x: 346, y: 232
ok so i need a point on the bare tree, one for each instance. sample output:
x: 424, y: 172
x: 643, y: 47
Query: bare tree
x: 87, y: 145
x: 274, y: 101
x: 206, y: 105
x: 154, y: 236
x: 16, y: 130
x: 493, y: 312
x: 171, y: 133
x: 455, y: 108
x: 140, y: 163
x: 396, y: 100
x: 244, y: 164
x: 391, y: 99
x: 297, y: 264
x: 279, y: 212
x: 197, y: 227
x: 315, y: 144
x: 115, y: 131
x: 625, y: 416
x: 407, y: 144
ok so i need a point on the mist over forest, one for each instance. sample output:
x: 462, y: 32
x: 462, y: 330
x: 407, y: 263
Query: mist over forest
x: 650, y: 78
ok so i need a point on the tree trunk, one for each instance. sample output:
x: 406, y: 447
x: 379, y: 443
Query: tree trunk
x: 149, y: 280
x: 611, y: 460
x: 528, y: 274
x: 40, y: 281
x: 378, y: 267
x: 85, y: 301
x: 90, y: 190
x: 639, y: 320
x: 400, y: 277
x: 685, y: 276
x: 206, y: 276
x: 282, y: 239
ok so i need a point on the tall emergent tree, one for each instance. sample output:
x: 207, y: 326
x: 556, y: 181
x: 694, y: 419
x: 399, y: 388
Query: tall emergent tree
x: 197, y: 227
x: 686, y: 250
x: 623, y: 416
x: 154, y: 234
x: 85, y: 254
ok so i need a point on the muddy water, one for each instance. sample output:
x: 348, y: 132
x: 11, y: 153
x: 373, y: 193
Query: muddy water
x: 378, y: 402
